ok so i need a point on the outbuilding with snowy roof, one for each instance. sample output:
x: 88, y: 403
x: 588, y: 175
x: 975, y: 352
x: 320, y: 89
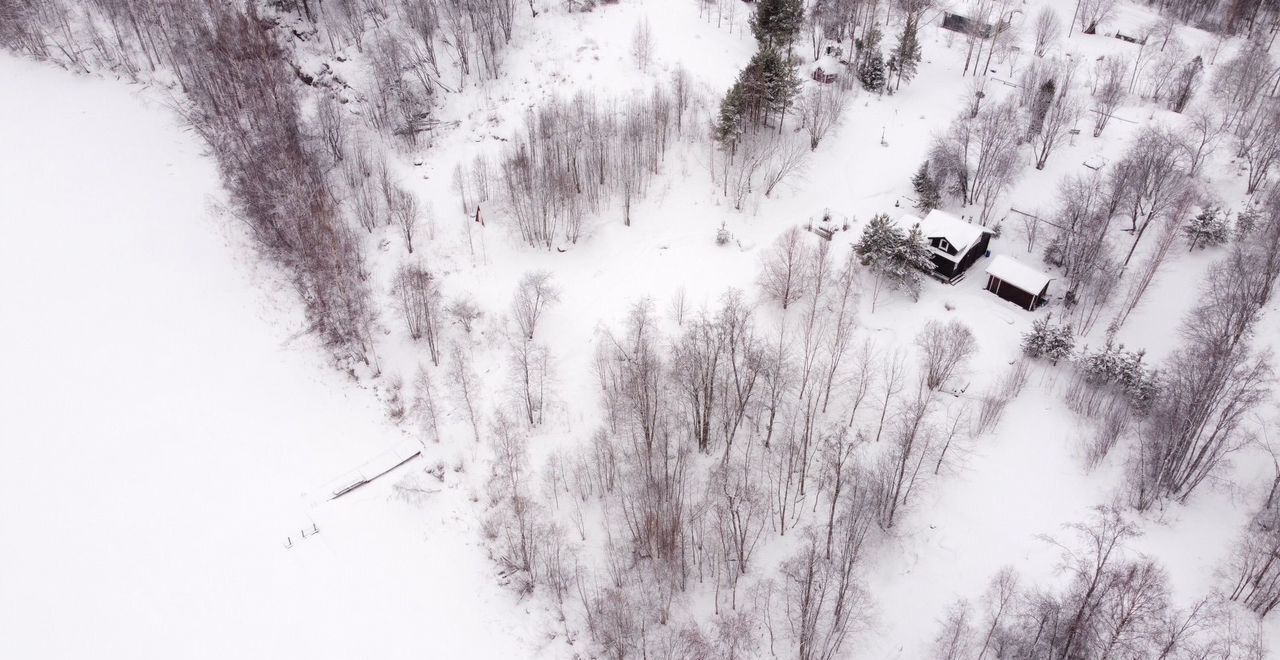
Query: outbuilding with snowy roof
x: 1017, y: 282
x: 954, y: 244
x: 828, y: 69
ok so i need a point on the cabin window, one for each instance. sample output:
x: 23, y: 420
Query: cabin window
x: 944, y: 245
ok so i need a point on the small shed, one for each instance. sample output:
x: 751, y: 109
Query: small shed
x: 1017, y: 282
x: 827, y: 70
x: 966, y: 25
x: 953, y: 243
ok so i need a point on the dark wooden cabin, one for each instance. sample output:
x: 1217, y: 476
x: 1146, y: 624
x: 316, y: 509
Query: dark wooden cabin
x: 1017, y: 282
x: 955, y: 244
x: 965, y: 25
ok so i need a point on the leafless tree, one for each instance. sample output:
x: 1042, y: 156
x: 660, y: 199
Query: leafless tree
x: 679, y: 306
x: 955, y: 640
x: 1242, y: 83
x: 1059, y: 120
x: 900, y: 465
x: 418, y: 296
x: 529, y: 371
x: 824, y: 601
x: 1259, y: 144
x: 1158, y: 181
x: 681, y: 95
x: 783, y: 269
x: 465, y: 388
x: 980, y: 13
x: 842, y: 325
x: 819, y: 110
x: 979, y: 155
x: 893, y: 372
x: 1102, y: 542
x: 945, y: 347
x: 1150, y: 267
x: 787, y: 158
x: 1109, y: 92
x: 642, y: 44
x: 424, y: 404
x: 534, y: 293
x: 741, y: 169
x: 1092, y: 13
x: 1048, y: 29
x: 1140, y: 595
x: 331, y: 127
x: 402, y: 206
x: 999, y: 600
x: 1204, y: 129
x: 999, y: 395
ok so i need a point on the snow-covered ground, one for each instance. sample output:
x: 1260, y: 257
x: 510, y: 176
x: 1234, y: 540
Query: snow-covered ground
x: 167, y: 430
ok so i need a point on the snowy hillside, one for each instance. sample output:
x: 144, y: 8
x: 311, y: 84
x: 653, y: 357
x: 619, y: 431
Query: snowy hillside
x: 654, y: 328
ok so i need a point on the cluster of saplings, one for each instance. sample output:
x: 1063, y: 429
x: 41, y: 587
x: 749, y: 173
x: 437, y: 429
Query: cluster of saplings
x: 576, y: 157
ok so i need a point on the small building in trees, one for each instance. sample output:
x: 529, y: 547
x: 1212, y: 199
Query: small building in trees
x: 965, y: 25
x: 1017, y: 282
x: 827, y: 70
x: 953, y: 243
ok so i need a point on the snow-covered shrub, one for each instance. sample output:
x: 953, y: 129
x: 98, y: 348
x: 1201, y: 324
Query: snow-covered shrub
x: 395, y: 400
x: 1051, y: 342
x: 465, y: 311
x: 1113, y: 365
x: 723, y: 235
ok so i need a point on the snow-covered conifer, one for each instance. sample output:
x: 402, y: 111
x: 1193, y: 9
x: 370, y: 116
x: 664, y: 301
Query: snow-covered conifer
x: 1207, y: 229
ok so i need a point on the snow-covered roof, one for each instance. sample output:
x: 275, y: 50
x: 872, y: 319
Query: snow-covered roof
x: 829, y: 64
x: 1012, y: 271
x: 940, y: 224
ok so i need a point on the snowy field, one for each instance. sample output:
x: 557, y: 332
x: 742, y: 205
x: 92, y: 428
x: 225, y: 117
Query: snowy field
x: 166, y: 431
x: 171, y: 435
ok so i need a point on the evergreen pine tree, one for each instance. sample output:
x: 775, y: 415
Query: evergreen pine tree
x: 871, y: 73
x: 893, y: 255
x: 1048, y: 341
x: 912, y: 258
x: 768, y: 85
x: 1207, y: 229
x: 729, y: 120
x: 927, y: 195
x: 877, y: 242
x: 906, y: 56
x: 1247, y: 221
x: 776, y: 23
x: 782, y: 83
x: 1036, y: 339
x: 867, y: 44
